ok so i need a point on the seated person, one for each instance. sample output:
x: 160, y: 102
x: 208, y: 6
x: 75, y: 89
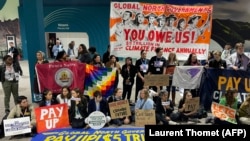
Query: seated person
x: 24, y: 109
x: 183, y: 115
x: 164, y: 108
x: 244, y: 111
x: 47, y: 99
x: 144, y: 102
x: 116, y: 97
x: 78, y: 109
x: 64, y: 97
x: 98, y: 104
x: 229, y: 100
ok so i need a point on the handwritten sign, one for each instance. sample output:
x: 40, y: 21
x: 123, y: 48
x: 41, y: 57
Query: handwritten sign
x: 52, y: 117
x: 144, y: 117
x: 156, y: 80
x: 192, y: 104
x: 16, y: 126
x: 119, y: 109
x: 223, y: 112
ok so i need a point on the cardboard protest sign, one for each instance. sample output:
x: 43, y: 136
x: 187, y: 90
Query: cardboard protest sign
x: 192, y: 104
x: 223, y: 112
x: 16, y: 126
x: 52, y: 117
x: 119, y: 109
x: 156, y: 80
x: 144, y: 117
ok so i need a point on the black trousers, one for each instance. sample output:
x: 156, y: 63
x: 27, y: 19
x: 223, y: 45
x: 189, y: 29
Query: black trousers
x: 138, y: 86
x: 127, y: 90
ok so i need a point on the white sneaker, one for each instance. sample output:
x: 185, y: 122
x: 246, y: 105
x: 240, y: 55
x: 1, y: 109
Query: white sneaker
x: 173, y: 123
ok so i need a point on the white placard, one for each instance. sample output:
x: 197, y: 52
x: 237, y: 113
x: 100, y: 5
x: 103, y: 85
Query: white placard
x: 16, y: 126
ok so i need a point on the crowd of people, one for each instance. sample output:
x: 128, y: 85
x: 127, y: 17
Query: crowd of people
x: 152, y: 97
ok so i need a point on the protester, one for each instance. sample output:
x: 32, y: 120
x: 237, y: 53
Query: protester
x: 217, y: 62
x: 9, y: 76
x: 64, y: 97
x: 48, y: 99
x: 144, y: 102
x: 112, y: 63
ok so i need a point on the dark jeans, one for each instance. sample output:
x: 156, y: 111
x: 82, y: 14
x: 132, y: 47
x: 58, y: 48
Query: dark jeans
x: 162, y: 118
x: 138, y: 86
x: 127, y: 89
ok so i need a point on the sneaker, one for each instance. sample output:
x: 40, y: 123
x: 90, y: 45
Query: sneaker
x: 173, y: 123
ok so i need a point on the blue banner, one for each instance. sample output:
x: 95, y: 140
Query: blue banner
x: 216, y: 81
x: 105, y: 134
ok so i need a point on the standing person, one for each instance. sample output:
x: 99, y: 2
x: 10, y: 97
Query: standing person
x: 217, y: 62
x: 78, y: 109
x: 62, y: 56
x: 238, y: 60
x: 128, y: 73
x: 112, y: 63
x: 57, y: 47
x: 40, y: 59
x: 71, y: 50
x: 172, y: 62
x: 50, y: 46
x: 157, y: 64
x: 227, y: 51
x: 9, y: 76
x: 193, y: 61
x: 96, y: 61
x: 83, y: 54
x: 142, y: 67
x: 13, y: 52
x: 92, y: 52
x: 105, y: 57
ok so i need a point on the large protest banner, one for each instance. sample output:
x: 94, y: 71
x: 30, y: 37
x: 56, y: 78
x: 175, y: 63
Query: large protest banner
x: 52, y: 117
x: 215, y: 82
x: 16, y: 126
x: 182, y: 29
x: 54, y: 76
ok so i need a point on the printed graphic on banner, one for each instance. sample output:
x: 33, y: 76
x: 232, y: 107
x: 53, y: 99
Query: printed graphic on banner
x: 71, y: 74
x: 215, y: 82
x: 52, y: 117
x: 182, y: 29
x: 104, y: 134
x: 119, y: 109
x: 16, y: 126
x: 101, y: 79
x: 223, y: 112
x: 188, y: 77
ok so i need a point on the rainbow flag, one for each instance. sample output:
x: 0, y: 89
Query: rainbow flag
x: 97, y: 78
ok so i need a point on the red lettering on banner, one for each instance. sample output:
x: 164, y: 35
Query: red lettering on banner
x: 168, y: 49
x: 154, y: 8
x: 191, y: 50
x: 188, y: 9
x: 134, y: 6
x: 131, y: 48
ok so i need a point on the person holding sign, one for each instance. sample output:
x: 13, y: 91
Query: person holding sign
x: 117, y: 97
x: 9, y: 76
x: 24, y: 109
x: 244, y: 111
x: 98, y: 103
x: 230, y: 100
x: 78, y: 109
x: 141, y: 65
x: 183, y: 114
x: 128, y: 73
x: 164, y: 108
x: 172, y: 62
x: 157, y: 64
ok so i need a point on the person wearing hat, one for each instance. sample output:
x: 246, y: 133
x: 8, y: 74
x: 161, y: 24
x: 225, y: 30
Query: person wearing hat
x: 170, y: 20
x: 161, y: 20
x: 192, y: 26
x: 151, y: 21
